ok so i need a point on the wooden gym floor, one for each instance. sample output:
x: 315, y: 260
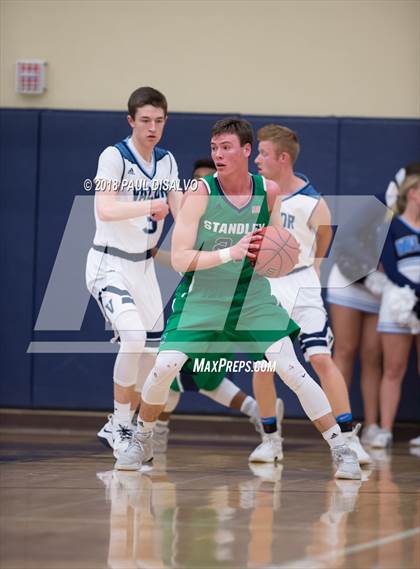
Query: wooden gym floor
x: 202, y: 506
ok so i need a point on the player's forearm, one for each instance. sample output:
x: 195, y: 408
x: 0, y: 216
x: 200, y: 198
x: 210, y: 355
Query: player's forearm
x: 323, y: 241
x: 193, y: 260
x: 118, y: 211
x: 174, y: 202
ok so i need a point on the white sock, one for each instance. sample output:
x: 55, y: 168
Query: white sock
x: 145, y: 427
x: 161, y: 426
x: 334, y: 437
x: 121, y: 413
x: 250, y: 407
x: 132, y: 412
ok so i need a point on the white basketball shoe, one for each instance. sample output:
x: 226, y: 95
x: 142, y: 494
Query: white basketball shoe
x: 122, y: 435
x: 353, y: 442
x: 369, y: 433
x: 105, y: 435
x: 383, y: 439
x: 138, y: 451
x: 346, y: 462
x: 160, y: 438
x: 270, y: 450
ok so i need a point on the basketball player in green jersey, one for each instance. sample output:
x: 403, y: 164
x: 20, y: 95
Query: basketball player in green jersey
x: 215, y: 386
x: 221, y: 304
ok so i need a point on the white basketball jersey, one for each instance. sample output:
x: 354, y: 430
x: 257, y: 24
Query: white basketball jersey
x: 121, y: 164
x: 296, y: 210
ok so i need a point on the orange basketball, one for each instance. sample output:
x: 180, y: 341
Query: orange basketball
x: 278, y: 252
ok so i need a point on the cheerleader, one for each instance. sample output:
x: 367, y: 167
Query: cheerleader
x: 399, y: 323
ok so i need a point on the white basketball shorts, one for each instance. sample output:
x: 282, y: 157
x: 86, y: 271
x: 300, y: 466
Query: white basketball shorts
x: 120, y: 284
x: 300, y: 294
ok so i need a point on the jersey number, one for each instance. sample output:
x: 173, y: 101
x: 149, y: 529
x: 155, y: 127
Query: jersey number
x: 222, y: 243
x: 151, y: 225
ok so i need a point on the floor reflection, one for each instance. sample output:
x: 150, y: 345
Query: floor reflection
x: 151, y: 527
x: 204, y: 507
x: 235, y: 525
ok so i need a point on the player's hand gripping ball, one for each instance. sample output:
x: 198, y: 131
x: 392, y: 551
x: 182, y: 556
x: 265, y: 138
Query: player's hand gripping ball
x: 278, y: 253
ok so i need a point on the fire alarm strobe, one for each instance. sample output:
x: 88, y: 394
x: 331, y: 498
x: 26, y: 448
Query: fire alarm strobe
x: 30, y: 76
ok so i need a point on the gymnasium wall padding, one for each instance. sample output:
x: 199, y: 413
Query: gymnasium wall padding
x: 71, y: 144
x: 371, y: 151
x: 19, y: 148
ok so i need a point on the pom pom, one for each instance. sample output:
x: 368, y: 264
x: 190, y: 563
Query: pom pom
x: 401, y: 301
x: 375, y: 282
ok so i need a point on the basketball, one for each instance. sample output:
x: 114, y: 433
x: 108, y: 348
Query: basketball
x: 278, y: 252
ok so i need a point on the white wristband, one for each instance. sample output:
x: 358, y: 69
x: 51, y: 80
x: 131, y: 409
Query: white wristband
x: 225, y: 255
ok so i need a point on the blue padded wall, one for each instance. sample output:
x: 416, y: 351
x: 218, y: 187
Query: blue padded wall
x: 70, y: 145
x: 18, y: 166
x: 371, y: 152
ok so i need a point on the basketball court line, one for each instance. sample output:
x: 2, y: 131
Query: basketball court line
x: 145, y: 469
x: 315, y: 562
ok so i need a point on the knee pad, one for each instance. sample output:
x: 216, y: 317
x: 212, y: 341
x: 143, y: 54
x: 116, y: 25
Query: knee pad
x: 131, y: 331
x: 288, y: 367
x: 157, y: 385
x: 146, y: 362
x: 311, y: 397
x: 132, y: 342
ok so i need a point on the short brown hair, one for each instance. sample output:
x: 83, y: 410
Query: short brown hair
x: 233, y: 125
x: 412, y: 181
x: 146, y: 96
x: 285, y: 139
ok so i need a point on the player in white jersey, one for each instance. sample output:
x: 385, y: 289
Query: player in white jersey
x: 306, y: 215
x: 136, y: 184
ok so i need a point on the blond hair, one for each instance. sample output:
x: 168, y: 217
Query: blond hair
x: 408, y: 183
x: 283, y: 138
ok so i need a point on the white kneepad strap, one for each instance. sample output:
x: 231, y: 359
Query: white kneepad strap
x: 158, y: 382
x: 132, y: 343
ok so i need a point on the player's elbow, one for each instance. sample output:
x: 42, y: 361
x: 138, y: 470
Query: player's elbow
x: 104, y: 216
x: 104, y: 213
x: 179, y: 262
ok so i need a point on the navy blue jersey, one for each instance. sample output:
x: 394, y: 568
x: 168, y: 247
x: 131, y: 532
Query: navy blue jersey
x: 401, y: 254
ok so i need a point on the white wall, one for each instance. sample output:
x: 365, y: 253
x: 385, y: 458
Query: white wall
x: 305, y: 57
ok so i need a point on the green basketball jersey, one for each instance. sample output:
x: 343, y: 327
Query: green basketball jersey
x: 223, y: 225
x: 229, y: 308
